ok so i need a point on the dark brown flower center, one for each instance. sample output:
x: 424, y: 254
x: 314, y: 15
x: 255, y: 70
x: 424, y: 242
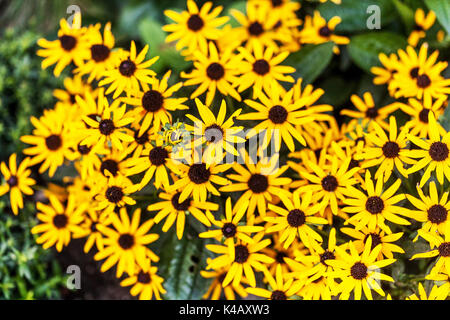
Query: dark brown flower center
x: 376, y: 239
x: 99, y: 52
x: 414, y: 73
x: 423, y: 81
x: 198, y: 173
x: 214, y: 133
x: 83, y: 149
x: 152, y: 100
x: 183, y: 206
x: 325, y: 31
x: 280, y: 255
x: 114, y: 194
x: 68, y: 42
x: 278, y: 114
x: 127, y: 68
x: 444, y: 249
x: 106, y: 127
x: 278, y: 295
x: 277, y: 3
x: 423, y: 115
x: 229, y: 230
x: 327, y: 255
x: 215, y: 71
x: 60, y: 221
x: 143, y: 139
x: 391, y: 149
x: 195, y: 23
x: 437, y: 214
x: 353, y: 164
x: 53, y: 142
x: 143, y: 277
x: 255, y: 29
x: 296, y: 218
x: 374, y: 205
x: 330, y: 183
x: 12, y: 181
x: 372, y: 113
x: 158, y: 156
x: 359, y: 271
x: 110, y: 165
x: 241, y: 253
x: 418, y: 27
x: 438, y: 151
x: 261, y: 67
x: 258, y: 183
x: 126, y: 241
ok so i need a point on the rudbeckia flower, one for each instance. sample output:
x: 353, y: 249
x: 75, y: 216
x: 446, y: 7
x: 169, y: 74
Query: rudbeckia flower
x: 422, y: 24
x: 146, y: 284
x: 216, y: 287
x: 436, y: 293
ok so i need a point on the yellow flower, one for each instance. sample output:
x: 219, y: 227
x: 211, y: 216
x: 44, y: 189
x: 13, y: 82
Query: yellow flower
x: 422, y: 23
x: 126, y: 244
x: 145, y: 284
x: 433, y: 153
x: 72, y: 45
x: 193, y: 28
x: 58, y: 223
x: 216, y: 286
x: 436, y: 293
x: 385, y: 74
x: 17, y: 181
x: 218, y: 70
x: 261, y: 70
x: 359, y: 272
x: 129, y: 72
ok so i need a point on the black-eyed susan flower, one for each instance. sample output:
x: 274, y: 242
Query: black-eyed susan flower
x: 440, y: 248
x: 58, y: 223
x: 214, y: 71
x: 171, y: 209
x: 193, y: 28
x: 436, y: 293
x: 230, y: 226
x: 360, y: 272
x: 115, y: 193
x: 296, y: 220
x: 260, y: 181
x: 373, y: 207
x: 385, y: 73
x: 153, y: 105
x: 218, y: 133
x: 418, y: 111
x: 90, y: 229
x: 379, y: 237
x: 419, y: 75
x: 434, y: 153
x: 387, y: 151
x: 146, y: 283
x: 216, y: 287
x: 257, y: 27
x: 317, y: 30
x: 125, y: 245
x: 368, y: 112
x: 243, y: 258
x: 129, y: 73
x: 279, y: 112
x: 51, y: 142
x: 261, y: 70
x: 102, y: 57
x: 280, y: 289
x: 329, y: 184
x: 72, y: 45
x: 17, y: 181
x: 114, y: 162
x: 73, y: 86
x: 423, y: 22
x: 197, y: 179
x: 157, y: 161
x: 431, y: 211
x: 108, y: 127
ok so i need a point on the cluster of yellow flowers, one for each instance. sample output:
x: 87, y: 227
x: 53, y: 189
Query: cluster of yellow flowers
x: 114, y: 122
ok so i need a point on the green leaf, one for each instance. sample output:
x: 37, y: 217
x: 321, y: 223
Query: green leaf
x: 442, y: 10
x: 311, y: 61
x: 180, y: 265
x: 365, y: 48
x: 406, y: 13
x: 354, y: 13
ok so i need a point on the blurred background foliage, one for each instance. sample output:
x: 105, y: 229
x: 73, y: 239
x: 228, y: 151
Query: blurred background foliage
x: 26, y: 270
